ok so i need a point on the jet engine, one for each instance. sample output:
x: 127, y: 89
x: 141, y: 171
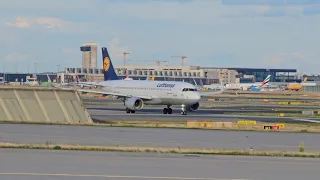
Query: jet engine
x: 194, y: 107
x: 133, y: 103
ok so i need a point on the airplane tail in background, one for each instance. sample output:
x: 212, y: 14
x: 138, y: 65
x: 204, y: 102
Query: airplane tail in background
x: 305, y: 80
x: 49, y: 79
x: 253, y: 88
x: 77, y: 79
x: 108, y: 70
x: 266, y: 80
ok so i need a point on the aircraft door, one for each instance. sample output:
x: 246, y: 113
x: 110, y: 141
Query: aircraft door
x: 175, y: 94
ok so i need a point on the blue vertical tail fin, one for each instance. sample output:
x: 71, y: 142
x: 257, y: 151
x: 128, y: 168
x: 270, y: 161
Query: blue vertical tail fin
x: 108, y: 70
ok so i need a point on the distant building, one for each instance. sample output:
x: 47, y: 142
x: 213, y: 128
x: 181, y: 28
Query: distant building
x: 252, y: 75
x: 312, y: 77
x: 89, y: 55
x: 22, y: 77
x: 162, y: 73
x: 200, y: 75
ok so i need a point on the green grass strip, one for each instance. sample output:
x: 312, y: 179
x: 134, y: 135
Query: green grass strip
x: 200, y: 151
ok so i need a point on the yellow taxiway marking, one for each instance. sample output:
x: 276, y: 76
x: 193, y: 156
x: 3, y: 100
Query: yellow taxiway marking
x: 114, y: 176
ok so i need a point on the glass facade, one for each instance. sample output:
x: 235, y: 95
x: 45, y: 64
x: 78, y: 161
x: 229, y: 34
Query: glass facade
x: 12, y: 77
x: 277, y: 75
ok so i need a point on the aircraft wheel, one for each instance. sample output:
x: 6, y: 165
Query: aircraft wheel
x: 169, y: 111
x: 165, y: 111
x: 133, y: 111
x: 128, y: 110
x: 183, y: 113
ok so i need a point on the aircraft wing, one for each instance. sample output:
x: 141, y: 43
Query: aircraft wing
x: 211, y: 93
x: 85, y: 83
x: 114, y: 94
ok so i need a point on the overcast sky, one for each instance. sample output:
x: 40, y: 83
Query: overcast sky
x: 220, y: 33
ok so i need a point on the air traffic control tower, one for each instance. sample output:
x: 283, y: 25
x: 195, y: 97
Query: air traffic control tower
x: 89, y: 55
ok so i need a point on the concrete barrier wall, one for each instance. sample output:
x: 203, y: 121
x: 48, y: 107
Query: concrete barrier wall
x: 42, y: 105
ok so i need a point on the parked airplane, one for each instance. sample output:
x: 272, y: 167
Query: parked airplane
x: 264, y: 82
x: 295, y: 86
x: 135, y: 94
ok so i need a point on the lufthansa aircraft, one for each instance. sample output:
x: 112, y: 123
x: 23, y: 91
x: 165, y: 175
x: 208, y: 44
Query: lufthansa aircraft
x: 135, y: 94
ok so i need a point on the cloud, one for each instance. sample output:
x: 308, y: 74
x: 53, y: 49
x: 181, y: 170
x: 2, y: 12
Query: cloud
x: 302, y: 61
x: 49, y: 22
x: 270, y: 2
x: 20, y: 22
x: 14, y: 57
x: 57, y: 5
x: 57, y: 25
x: 116, y: 50
x: 45, y: 22
x: 280, y: 59
x: 251, y: 33
x: 210, y: 10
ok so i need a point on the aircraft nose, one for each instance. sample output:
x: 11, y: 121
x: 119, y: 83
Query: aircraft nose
x: 197, y: 96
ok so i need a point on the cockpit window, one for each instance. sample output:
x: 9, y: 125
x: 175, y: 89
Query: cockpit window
x: 189, y: 89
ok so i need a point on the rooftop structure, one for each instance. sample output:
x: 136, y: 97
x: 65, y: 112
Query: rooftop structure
x: 89, y: 55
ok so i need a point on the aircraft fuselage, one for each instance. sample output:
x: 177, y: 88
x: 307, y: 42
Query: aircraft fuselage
x: 161, y: 92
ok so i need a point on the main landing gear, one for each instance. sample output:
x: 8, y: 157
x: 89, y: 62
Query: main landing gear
x: 167, y: 110
x: 130, y: 111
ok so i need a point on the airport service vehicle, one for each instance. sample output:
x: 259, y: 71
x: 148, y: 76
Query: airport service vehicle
x: 135, y: 93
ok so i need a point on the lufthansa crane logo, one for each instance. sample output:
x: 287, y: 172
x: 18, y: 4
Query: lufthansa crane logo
x: 106, y: 64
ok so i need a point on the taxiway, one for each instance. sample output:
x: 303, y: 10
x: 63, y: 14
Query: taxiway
x: 101, y: 113
x: 76, y: 165
x: 150, y: 137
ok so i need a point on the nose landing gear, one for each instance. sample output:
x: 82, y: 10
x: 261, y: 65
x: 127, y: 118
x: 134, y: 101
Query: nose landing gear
x: 183, y: 110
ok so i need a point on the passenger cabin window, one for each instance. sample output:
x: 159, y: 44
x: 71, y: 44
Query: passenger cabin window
x: 189, y: 89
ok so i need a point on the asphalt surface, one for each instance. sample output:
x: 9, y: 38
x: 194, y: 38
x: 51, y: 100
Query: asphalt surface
x: 102, y: 113
x: 231, y: 105
x: 206, y: 102
x: 254, y: 98
x: 76, y: 165
x: 150, y: 137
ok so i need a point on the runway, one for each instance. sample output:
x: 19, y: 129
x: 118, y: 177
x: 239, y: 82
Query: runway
x: 150, y: 137
x: 75, y: 165
x: 104, y: 113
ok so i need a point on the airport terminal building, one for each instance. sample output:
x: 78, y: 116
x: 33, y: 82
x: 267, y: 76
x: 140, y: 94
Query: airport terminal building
x: 191, y: 74
x: 200, y: 75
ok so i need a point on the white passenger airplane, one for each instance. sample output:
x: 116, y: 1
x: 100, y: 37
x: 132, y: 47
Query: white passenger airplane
x: 135, y: 94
